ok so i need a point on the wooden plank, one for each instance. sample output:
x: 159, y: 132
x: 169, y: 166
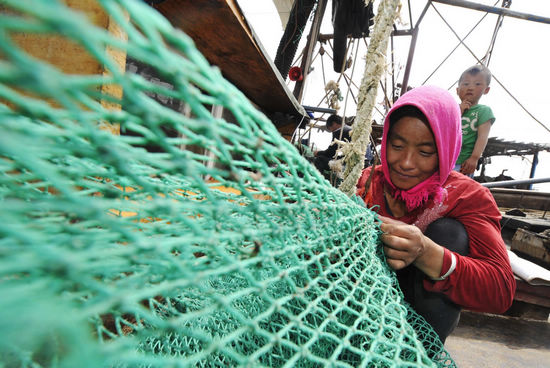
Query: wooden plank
x: 71, y: 58
x: 222, y: 35
x: 532, y: 244
x: 62, y: 52
x: 532, y: 294
x: 528, y: 222
x: 517, y: 198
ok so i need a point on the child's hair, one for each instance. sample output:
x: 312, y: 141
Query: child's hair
x: 476, y: 69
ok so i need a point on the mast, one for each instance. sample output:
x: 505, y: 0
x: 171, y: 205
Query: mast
x: 310, y: 47
x: 412, y: 47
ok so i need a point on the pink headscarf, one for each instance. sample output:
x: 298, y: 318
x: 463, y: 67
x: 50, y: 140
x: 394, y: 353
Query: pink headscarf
x: 443, y: 114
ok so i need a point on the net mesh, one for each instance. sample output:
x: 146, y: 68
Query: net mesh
x: 189, y: 240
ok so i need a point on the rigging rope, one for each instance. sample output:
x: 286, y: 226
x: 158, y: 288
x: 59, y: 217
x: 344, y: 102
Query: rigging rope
x: 487, y: 58
x: 336, y: 165
x: 456, y: 47
x: 374, y: 68
x: 493, y: 76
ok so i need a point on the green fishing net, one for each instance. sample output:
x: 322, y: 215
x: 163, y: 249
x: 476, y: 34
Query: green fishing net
x: 193, y: 239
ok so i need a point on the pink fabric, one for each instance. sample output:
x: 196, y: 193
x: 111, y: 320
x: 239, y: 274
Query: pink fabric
x: 443, y: 114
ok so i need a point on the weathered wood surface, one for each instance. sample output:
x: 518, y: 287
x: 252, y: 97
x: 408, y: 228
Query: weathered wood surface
x: 532, y: 294
x: 223, y: 36
x: 532, y: 244
x: 61, y: 52
x: 71, y: 58
x: 517, y: 198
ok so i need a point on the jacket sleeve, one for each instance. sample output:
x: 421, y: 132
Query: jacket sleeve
x: 483, y: 280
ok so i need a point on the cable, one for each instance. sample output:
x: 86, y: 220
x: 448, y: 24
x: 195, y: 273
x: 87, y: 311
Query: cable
x: 456, y: 47
x: 494, y: 77
x: 498, y: 25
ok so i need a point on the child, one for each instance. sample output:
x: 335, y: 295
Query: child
x: 476, y: 119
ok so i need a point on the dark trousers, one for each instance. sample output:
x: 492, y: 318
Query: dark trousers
x: 321, y: 163
x: 436, y: 308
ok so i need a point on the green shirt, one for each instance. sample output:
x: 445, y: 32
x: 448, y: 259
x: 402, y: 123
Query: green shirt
x: 471, y: 120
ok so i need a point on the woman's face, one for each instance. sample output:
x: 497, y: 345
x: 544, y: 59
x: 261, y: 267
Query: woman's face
x: 411, y: 152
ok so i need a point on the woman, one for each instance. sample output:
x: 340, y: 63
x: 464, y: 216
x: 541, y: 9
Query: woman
x: 441, y: 229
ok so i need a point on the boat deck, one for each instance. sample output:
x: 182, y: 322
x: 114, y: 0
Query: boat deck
x: 521, y: 337
x: 490, y: 341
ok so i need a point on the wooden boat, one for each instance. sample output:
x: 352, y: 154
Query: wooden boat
x: 522, y: 336
x: 223, y: 35
x: 227, y: 39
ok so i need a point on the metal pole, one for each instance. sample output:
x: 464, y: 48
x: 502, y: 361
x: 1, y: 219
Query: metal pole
x: 494, y: 10
x: 405, y: 82
x: 310, y: 47
x: 319, y: 109
x: 392, y: 75
x: 509, y: 183
x: 534, y: 166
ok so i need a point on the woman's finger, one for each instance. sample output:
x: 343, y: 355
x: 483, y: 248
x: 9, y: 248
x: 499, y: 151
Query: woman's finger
x: 387, y: 220
x: 399, y: 230
x: 395, y: 242
x: 396, y: 264
x: 396, y: 254
x: 398, y: 259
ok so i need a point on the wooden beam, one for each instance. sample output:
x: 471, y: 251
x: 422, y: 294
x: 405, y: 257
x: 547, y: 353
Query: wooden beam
x: 221, y: 33
x: 534, y: 245
x: 532, y: 294
x: 522, y: 199
x: 71, y: 58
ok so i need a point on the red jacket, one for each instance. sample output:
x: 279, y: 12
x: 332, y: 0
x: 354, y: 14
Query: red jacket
x: 483, y: 280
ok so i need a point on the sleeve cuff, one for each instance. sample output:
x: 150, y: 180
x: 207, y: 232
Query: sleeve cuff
x: 448, y: 267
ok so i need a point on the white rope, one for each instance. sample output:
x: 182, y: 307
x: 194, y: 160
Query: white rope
x: 375, y: 66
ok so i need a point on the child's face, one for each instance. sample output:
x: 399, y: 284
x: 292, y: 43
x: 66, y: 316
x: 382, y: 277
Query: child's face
x: 472, y: 87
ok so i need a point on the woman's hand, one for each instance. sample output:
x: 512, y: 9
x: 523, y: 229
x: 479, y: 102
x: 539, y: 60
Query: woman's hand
x: 405, y: 244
